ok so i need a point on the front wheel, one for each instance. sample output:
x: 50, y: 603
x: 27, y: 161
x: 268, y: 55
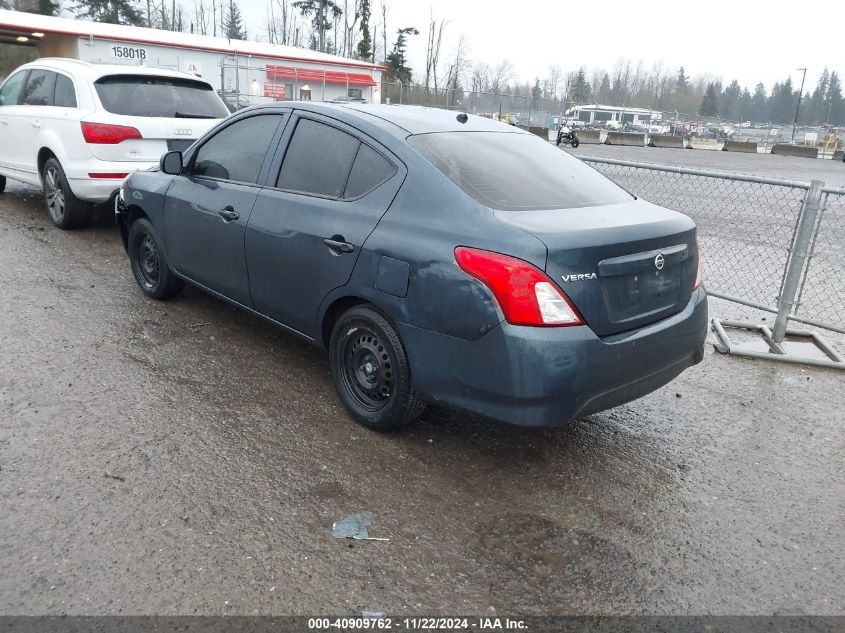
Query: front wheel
x: 149, y: 264
x: 2, y: 184
x: 65, y: 209
x: 371, y: 370
x: 575, y: 142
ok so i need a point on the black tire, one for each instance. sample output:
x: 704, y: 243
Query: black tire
x: 2, y: 184
x: 575, y: 143
x: 371, y: 371
x: 65, y: 210
x: 149, y: 264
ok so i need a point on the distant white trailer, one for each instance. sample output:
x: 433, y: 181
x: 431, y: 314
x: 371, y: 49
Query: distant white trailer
x: 248, y: 72
x: 613, y: 116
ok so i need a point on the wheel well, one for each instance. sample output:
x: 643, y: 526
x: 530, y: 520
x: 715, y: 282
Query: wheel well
x: 334, y: 311
x: 44, y: 154
x: 135, y: 213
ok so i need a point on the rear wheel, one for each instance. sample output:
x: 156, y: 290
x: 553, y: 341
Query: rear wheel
x: 2, y: 184
x: 149, y: 264
x: 65, y: 209
x: 371, y: 371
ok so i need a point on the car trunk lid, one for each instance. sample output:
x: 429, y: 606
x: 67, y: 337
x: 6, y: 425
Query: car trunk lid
x: 622, y: 265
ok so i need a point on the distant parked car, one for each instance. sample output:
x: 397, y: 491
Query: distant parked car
x: 77, y: 129
x: 439, y: 257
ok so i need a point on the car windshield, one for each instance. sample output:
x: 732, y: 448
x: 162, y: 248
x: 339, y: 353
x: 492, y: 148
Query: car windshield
x: 169, y: 97
x: 516, y: 172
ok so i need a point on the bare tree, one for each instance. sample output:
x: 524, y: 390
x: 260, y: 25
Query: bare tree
x: 432, y: 49
x: 201, y: 16
x: 555, y: 77
x: 456, y: 70
x: 384, y: 27
x: 501, y: 76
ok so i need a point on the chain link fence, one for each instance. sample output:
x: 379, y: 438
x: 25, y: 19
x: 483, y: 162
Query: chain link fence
x: 822, y: 289
x: 746, y: 232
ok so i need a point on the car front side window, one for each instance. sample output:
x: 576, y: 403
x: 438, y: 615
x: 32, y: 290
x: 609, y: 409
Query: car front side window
x: 11, y: 91
x: 238, y: 151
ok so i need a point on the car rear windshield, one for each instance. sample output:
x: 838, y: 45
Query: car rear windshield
x: 142, y: 95
x: 510, y: 171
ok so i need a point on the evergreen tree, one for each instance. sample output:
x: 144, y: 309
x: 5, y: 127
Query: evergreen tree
x: 581, y: 90
x: 759, y: 104
x: 319, y: 11
x: 110, y: 12
x: 233, y: 25
x: 710, y: 103
x: 397, y: 67
x: 744, y: 107
x: 48, y: 7
x: 836, y: 106
x: 365, y: 46
x: 818, y: 100
x: 782, y: 102
x: 682, y: 82
x: 729, y: 101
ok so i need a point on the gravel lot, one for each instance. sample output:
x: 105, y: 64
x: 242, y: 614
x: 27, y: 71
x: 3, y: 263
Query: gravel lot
x: 187, y: 458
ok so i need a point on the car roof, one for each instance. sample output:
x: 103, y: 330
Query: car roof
x: 78, y: 67
x: 402, y: 120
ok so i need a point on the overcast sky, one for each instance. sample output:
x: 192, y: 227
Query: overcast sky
x: 748, y: 40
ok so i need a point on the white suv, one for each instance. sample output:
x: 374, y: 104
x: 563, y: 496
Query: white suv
x: 78, y: 129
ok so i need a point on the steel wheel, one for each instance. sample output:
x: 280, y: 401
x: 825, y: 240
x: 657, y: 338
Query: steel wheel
x: 367, y: 371
x: 149, y: 263
x: 55, y: 194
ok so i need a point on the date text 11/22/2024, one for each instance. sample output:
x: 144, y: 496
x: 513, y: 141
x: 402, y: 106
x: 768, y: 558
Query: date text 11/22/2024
x: 416, y: 624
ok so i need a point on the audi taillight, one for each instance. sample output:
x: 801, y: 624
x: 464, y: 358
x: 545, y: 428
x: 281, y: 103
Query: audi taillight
x: 106, y: 134
x: 697, y: 271
x: 524, y: 292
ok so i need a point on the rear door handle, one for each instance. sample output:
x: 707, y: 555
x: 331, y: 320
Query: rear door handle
x: 36, y: 124
x: 337, y: 244
x: 228, y: 214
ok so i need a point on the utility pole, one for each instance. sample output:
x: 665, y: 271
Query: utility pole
x: 798, y: 108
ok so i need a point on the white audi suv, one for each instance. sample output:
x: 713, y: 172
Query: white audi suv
x: 78, y: 129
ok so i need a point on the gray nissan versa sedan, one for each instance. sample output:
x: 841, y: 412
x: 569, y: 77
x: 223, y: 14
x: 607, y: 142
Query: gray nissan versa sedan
x: 439, y: 257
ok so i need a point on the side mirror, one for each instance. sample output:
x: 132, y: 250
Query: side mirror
x: 171, y: 163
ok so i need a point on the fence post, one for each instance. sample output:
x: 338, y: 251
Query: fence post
x: 800, y: 251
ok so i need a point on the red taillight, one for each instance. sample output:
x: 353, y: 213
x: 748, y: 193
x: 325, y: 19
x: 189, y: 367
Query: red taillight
x: 105, y: 134
x: 697, y: 271
x: 525, y: 294
x: 109, y: 176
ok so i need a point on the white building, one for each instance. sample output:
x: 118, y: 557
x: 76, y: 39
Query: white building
x: 251, y: 72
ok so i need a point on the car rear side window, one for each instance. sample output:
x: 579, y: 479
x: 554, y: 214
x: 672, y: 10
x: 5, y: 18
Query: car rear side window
x: 65, y: 93
x: 39, y: 88
x: 237, y: 151
x: 318, y: 160
x: 11, y: 91
x: 369, y: 171
x: 162, y: 97
x: 511, y: 171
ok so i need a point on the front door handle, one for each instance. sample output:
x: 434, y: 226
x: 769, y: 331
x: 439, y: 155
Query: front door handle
x: 228, y: 214
x: 337, y: 244
x: 36, y: 124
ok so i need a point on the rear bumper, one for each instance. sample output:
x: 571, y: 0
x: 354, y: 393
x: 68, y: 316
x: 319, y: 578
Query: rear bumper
x: 99, y: 189
x: 547, y: 376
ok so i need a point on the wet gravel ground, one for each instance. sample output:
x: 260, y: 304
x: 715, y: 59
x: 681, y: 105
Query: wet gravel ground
x: 187, y: 458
